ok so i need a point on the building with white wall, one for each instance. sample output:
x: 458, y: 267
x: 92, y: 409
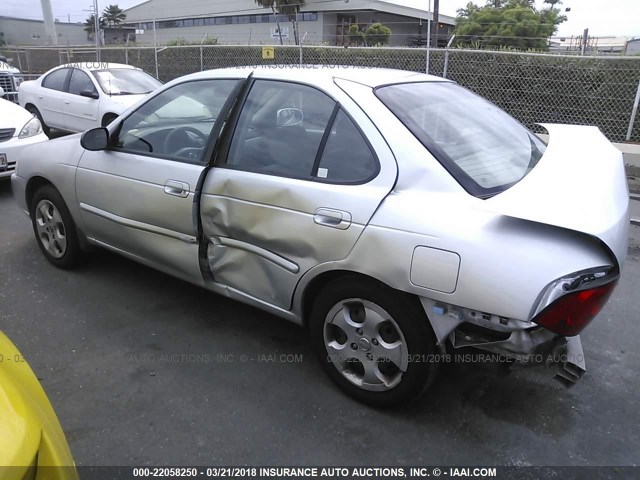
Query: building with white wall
x: 243, y: 22
x: 27, y: 32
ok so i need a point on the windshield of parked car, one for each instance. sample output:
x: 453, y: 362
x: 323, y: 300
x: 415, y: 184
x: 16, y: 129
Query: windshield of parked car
x: 482, y: 146
x: 125, y: 81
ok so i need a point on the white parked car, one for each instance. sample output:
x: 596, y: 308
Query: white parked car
x: 18, y: 128
x: 79, y: 96
x: 10, y: 79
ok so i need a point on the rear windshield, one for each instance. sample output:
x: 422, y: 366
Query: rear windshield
x: 483, y: 147
x: 125, y: 81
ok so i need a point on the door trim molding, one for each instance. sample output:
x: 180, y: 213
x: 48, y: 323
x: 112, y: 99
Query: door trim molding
x: 127, y: 222
x: 288, y: 265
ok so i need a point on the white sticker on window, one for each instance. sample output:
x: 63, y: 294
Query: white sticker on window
x: 323, y: 172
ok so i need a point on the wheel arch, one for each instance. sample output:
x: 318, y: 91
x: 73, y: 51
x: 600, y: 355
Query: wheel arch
x: 320, y: 281
x: 33, y: 185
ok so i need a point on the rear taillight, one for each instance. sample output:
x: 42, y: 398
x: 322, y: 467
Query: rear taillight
x: 570, y: 313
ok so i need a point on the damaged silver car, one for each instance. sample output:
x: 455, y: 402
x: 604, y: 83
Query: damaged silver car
x: 394, y: 214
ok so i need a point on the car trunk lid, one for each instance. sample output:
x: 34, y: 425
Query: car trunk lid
x: 579, y: 184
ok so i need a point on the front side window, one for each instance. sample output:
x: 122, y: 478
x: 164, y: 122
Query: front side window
x: 176, y: 124
x: 280, y: 129
x: 485, y: 149
x: 56, y: 79
x: 80, y: 82
x: 125, y: 81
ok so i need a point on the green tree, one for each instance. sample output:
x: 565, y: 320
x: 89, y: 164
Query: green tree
x: 377, y: 34
x: 89, y: 24
x: 290, y: 8
x: 508, y: 23
x: 468, y: 10
x: 113, y: 15
x: 355, y: 35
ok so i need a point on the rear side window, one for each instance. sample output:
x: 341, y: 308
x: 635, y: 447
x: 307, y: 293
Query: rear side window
x: 485, y: 149
x: 56, y: 80
x: 296, y: 131
x: 347, y: 157
x: 280, y: 129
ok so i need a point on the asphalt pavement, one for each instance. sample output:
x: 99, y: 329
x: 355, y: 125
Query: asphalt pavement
x: 143, y: 369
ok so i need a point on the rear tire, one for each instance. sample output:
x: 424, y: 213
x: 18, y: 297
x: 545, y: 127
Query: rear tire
x: 54, y: 228
x: 374, y: 342
x: 34, y: 111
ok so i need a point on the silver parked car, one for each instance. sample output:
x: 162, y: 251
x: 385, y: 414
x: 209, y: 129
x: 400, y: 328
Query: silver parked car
x: 394, y: 214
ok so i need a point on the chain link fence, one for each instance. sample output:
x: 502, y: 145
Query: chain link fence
x: 534, y: 88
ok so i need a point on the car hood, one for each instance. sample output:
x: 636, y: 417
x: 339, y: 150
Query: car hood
x: 5, y: 67
x: 13, y: 116
x: 579, y: 184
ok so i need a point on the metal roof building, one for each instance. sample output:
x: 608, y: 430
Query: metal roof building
x: 243, y: 22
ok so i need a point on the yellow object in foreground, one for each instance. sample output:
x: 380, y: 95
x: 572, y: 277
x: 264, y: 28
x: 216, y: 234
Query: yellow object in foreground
x: 32, y: 443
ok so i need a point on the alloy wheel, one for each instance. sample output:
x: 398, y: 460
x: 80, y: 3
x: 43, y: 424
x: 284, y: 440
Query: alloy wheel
x: 365, y: 344
x: 51, y: 230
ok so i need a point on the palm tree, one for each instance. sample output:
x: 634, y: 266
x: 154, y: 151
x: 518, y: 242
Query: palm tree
x: 114, y: 15
x: 468, y: 10
x: 285, y: 7
x: 89, y: 24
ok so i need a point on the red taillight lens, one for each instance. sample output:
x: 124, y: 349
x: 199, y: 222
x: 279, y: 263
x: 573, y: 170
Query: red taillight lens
x: 569, y: 314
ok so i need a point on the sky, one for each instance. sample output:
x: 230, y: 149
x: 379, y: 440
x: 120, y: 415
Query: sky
x: 603, y: 18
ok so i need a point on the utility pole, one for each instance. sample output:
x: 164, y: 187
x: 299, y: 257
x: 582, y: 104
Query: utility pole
x: 585, y: 40
x: 436, y: 21
x: 428, y: 37
x: 96, y: 28
x: 49, y: 24
x: 275, y: 15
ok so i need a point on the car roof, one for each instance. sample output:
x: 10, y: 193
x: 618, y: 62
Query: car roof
x: 90, y: 66
x: 372, y: 77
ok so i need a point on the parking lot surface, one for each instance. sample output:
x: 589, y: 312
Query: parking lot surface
x: 144, y: 369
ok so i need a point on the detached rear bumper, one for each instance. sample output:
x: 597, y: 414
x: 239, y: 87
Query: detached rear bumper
x: 573, y: 366
x: 523, y: 344
x: 534, y: 347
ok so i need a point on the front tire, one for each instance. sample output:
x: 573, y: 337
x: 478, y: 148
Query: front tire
x: 374, y: 342
x: 54, y: 228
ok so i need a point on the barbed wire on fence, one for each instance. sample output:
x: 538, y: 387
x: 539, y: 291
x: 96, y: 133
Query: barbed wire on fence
x: 533, y: 87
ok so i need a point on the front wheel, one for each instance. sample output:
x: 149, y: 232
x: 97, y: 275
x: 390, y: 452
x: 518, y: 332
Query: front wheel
x: 375, y: 343
x: 54, y: 228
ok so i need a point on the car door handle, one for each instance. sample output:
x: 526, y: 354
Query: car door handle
x: 329, y: 217
x: 67, y: 102
x: 177, y: 189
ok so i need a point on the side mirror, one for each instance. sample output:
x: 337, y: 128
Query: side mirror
x: 1, y: 92
x: 95, y: 140
x: 289, y: 117
x: 87, y: 92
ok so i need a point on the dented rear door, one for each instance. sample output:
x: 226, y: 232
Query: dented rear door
x: 264, y: 223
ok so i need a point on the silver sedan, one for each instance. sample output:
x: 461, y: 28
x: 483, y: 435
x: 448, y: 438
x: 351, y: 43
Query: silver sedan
x: 398, y: 216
